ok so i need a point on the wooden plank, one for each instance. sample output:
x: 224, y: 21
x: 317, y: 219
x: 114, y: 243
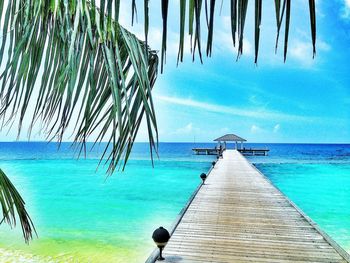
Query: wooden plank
x: 239, y: 216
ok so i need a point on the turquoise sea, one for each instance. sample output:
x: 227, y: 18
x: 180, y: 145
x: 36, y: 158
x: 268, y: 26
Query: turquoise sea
x: 81, y: 215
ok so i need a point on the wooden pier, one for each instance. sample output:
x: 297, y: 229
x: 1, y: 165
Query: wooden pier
x: 252, y: 151
x: 244, y: 151
x: 206, y: 151
x: 239, y: 216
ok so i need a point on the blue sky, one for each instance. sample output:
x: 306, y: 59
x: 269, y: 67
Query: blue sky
x: 302, y: 100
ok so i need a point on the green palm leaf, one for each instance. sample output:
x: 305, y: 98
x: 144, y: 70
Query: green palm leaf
x: 13, y: 207
x: 91, y: 68
x: 237, y: 12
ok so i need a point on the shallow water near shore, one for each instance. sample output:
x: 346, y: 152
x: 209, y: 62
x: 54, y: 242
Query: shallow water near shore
x: 83, y: 216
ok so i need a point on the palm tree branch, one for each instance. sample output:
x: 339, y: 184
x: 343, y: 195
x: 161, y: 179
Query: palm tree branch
x: 12, y: 204
x: 90, y: 66
x: 237, y: 10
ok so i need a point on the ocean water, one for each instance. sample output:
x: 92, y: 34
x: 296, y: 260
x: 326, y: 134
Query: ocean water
x: 83, y: 216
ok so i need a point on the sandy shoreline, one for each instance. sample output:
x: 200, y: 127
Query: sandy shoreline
x: 11, y: 256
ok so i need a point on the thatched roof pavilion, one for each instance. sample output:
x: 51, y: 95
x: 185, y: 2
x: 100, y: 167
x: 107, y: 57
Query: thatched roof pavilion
x: 230, y: 138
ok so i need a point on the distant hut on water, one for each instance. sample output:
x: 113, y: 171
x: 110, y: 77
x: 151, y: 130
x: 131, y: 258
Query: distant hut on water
x: 231, y: 138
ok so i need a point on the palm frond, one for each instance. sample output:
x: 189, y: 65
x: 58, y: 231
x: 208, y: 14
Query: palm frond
x: 242, y: 13
x: 237, y: 12
x: 146, y: 23
x: 182, y: 30
x: 258, y: 14
x: 197, y: 34
x: 312, y: 9
x: 13, y: 206
x: 210, y: 28
x: 286, y: 31
x: 90, y: 67
x: 233, y: 20
x: 165, y: 5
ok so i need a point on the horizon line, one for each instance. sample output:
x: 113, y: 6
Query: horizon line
x: 21, y: 141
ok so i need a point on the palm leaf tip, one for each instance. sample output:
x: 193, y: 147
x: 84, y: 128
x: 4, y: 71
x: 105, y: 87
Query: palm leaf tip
x: 312, y: 9
x: 13, y: 207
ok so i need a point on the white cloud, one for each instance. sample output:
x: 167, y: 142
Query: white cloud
x: 322, y: 45
x: 251, y: 113
x: 346, y: 10
x: 255, y: 129
x: 188, y: 129
x: 301, y: 51
x: 223, y: 39
x: 223, y: 43
x: 276, y: 128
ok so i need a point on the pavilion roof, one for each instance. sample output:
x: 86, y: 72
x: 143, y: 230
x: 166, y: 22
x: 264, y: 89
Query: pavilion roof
x: 230, y: 138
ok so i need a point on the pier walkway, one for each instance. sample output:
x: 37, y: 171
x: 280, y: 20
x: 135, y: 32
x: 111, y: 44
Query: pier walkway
x: 239, y: 216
